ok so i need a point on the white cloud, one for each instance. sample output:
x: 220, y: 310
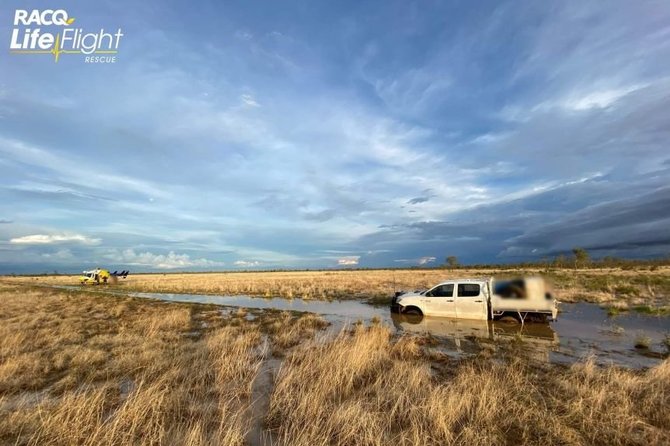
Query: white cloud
x: 414, y: 89
x: 249, y: 100
x: 160, y: 261
x: 76, y: 171
x: 348, y: 261
x: 599, y: 98
x: 243, y: 34
x: 246, y: 263
x: 48, y: 239
x: 425, y: 260
x: 420, y: 261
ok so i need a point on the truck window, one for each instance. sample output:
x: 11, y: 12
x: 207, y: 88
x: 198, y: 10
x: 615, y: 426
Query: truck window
x: 468, y: 289
x: 442, y: 291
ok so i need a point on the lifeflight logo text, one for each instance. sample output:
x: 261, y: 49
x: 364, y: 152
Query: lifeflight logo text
x: 30, y: 37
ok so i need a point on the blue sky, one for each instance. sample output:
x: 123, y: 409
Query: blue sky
x: 234, y: 135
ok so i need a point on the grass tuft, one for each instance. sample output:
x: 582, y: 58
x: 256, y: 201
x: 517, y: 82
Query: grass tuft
x: 642, y: 341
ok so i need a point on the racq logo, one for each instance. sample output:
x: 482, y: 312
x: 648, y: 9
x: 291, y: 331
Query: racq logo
x: 29, y: 37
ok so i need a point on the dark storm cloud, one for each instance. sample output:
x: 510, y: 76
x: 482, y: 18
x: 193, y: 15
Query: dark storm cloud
x: 418, y: 200
x: 618, y: 225
x: 544, y: 224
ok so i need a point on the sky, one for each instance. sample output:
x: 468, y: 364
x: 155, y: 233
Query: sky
x: 335, y: 134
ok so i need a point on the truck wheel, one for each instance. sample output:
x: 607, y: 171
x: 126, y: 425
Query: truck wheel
x: 414, y: 311
x: 508, y: 320
x: 412, y: 319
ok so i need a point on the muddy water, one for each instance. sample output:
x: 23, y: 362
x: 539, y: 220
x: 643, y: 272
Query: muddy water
x: 581, y: 330
x: 342, y: 309
x: 586, y: 329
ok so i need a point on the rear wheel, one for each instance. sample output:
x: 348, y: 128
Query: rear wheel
x: 509, y: 320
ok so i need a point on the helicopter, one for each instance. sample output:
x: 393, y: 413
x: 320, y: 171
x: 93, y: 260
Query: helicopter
x: 101, y: 276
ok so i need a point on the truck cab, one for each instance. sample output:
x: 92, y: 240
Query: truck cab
x: 461, y: 298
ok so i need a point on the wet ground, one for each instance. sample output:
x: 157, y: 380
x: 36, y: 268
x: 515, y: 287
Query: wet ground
x: 582, y: 329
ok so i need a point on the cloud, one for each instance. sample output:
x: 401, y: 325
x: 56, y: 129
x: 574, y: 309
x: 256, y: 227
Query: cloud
x: 243, y: 35
x: 246, y: 263
x: 5, y: 222
x: 170, y: 260
x: 348, y: 261
x: 54, y: 192
x: 62, y: 254
x: 414, y: 89
x: 599, y: 99
x: 418, y: 200
x: 83, y: 172
x: 425, y: 260
x: 622, y: 225
x: 48, y: 239
x: 249, y: 100
x: 420, y: 261
x: 411, y: 144
x: 324, y: 215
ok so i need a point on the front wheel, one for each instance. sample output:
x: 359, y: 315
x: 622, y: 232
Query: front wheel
x: 414, y: 311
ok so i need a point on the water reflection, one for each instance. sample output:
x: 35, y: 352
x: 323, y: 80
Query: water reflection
x: 463, y: 332
x: 463, y: 336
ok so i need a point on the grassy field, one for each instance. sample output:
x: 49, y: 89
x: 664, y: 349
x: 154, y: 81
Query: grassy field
x: 82, y: 368
x: 622, y: 288
x: 86, y: 369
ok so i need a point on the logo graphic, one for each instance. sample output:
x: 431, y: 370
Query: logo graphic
x: 29, y: 37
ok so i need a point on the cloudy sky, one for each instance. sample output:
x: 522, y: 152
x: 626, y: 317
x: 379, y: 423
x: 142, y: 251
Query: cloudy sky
x: 241, y: 134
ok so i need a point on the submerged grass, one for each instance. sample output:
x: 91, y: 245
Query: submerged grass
x: 615, y: 309
x: 655, y: 311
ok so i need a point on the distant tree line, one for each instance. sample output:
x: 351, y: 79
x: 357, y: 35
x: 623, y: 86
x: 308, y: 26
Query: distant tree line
x: 580, y: 258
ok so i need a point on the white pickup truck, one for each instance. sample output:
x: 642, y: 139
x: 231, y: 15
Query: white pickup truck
x: 515, y: 300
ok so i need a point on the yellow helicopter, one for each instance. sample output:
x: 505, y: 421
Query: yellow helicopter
x: 101, y: 276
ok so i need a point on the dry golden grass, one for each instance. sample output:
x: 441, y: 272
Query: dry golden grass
x: 88, y: 369
x: 593, y: 285
x: 83, y: 368
x: 369, y: 389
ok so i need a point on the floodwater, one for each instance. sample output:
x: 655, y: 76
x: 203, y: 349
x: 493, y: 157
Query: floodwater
x: 339, y: 309
x: 586, y: 329
x: 582, y: 329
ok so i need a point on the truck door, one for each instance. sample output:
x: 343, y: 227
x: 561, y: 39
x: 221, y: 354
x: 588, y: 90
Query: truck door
x: 470, y: 301
x: 440, y: 300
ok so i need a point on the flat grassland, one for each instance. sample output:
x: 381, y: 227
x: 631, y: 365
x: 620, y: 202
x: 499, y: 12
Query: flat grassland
x: 613, y: 286
x: 96, y: 369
